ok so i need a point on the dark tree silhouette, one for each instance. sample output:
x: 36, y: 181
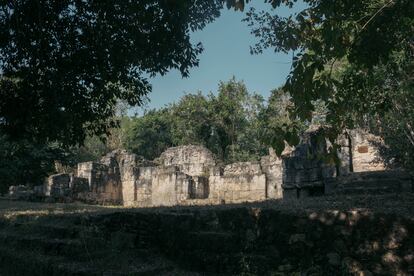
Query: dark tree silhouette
x: 65, y: 64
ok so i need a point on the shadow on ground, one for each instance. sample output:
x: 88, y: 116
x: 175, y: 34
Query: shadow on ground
x: 359, y: 235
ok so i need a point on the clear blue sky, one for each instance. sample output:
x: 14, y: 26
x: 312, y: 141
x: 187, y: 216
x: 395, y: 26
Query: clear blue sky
x: 226, y: 53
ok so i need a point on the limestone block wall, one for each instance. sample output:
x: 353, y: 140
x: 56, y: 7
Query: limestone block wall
x: 128, y: 175
x: 359, y: 152
x: 58, y: 185
x: 345, y: 154
x: 162, y: 186
x: 240, y: 182
x: 365, y: 153
x: 85, y: 170
x: 185, y: 175
x: 143, y: 186
x: 65, y: 185
x: 189, y: 175
x: 192, y: 160
x: 104, y: 182
x: 305, y: 169
x: 169, y: 186
x: 272, y: 167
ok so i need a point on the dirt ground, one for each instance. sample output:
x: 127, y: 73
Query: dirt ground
x: 399, y: 204
x: 212, y: 240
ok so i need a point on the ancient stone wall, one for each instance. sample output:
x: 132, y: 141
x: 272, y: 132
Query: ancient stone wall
x: 58, y: 185
x: 306, y: 168
x: 365, y: 152
x: 345, y: 154
x: 240, y: 182
x: 65, y: 185
x: 192, y: 160
x: 143, y: 187
x: 104, y: 181
x: 360, y: 152
x: 169, y: 186
x: 189, y: 175
x: 309, y: 167
x: 272, y: 168
x: 128, y: 174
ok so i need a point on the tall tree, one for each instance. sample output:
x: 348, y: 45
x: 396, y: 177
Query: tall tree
x: 191, y: 119
x: 277, y: 124
x: 235, y: 113
x: 65, y: 64
x: 227, y: 123
x: 150, y: 134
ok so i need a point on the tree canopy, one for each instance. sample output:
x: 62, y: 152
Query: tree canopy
x: 228, y: 123
x: 338, y: 49
x: 65, y: 64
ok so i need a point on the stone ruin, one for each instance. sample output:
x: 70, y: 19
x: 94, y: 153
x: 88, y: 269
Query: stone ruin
x: 356, y: 165
x: 190, y: 175
x: 304, y: 169
x: 185, y: 175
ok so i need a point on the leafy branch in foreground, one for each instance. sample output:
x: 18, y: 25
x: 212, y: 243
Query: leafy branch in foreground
x: 338, y: 48
x: 65, y: 64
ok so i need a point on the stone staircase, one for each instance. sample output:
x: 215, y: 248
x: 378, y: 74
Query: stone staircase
x: 71, y: 245
x: 374, y: 182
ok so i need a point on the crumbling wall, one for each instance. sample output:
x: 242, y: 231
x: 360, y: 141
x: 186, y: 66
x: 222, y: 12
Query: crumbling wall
x: 365, y: 152
x: 306, y: 168
x: 272, y: 167
x: 186, y: 175
x: 309, y: 167
x: 136, y: 176
x: 189, y: 175
x: 58, y: 185
x: 65, y: 185
x: 143, y: 186
x: 345, y: 166
x: 192, y: 160
x: 180, y: 180
x: 104, y: 181
x: 128, y: 175
x: 169, y: 186
x: 359, y: 152
x: 240, y: 182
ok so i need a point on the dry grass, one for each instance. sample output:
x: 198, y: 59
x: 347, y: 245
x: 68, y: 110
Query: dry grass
x: 9, y: 209
x: 399, y: 204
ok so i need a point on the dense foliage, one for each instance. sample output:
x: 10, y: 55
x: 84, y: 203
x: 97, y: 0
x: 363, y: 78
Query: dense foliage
x: 357, y: 57
x: 25, y: 162
x: 231, y: 123
x: 65, y: 64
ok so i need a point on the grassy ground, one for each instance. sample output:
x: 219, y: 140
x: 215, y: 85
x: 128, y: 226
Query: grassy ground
x: 9, y: 209
x: 399, y: 204
x: 185, y: 240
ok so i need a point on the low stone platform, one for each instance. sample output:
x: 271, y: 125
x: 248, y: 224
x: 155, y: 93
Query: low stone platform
x: 375, y: 182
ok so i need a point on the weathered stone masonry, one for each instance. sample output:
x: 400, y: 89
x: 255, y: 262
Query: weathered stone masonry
x: 186, y: 175
x: 308, y: 170
x: 189, y: 175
